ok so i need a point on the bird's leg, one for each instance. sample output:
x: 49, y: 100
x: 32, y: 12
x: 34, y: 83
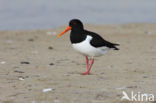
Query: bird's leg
x: 87, y: 62
x: 88, y: 70
x: 91, y: 64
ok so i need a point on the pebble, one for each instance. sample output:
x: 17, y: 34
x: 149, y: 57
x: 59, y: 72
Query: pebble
x: 145, y: 76
x: 51, y: 64
x: 50, y: 47
x: 131, y: 86
x: 45, y: 90
x: 31, y: 39
x: 18, y: 71
x: 21, y: 78
x: 24, y: 62
x: 3, y: 62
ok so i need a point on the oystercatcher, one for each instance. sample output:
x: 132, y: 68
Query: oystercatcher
x: 87, y: 43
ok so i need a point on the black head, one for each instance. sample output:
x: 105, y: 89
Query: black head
x: 76, y: 24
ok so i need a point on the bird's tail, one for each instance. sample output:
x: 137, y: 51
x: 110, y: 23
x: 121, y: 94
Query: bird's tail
x: 115, y: 48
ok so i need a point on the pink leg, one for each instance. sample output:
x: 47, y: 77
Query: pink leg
x: 88, y: 70
x: 87, y: 62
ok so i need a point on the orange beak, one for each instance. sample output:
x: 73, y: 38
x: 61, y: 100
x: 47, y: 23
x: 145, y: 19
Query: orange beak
x: 67, y: 29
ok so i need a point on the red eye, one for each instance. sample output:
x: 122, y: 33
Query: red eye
x: 74, y: 22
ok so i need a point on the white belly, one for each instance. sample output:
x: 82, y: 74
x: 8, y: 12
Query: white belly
x: 88, y: 50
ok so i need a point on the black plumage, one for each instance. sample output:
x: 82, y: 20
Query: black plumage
x: 79, y: 34
x: 87, y: 43
x: 98, y: 41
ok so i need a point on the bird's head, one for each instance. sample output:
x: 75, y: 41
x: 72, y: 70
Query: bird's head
x: 74, y: 24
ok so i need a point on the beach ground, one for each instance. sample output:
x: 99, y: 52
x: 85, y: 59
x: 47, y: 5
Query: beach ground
x: 38, y: 67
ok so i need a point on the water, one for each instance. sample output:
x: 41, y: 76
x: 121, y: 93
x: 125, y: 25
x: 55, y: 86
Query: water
x: 44, y: 14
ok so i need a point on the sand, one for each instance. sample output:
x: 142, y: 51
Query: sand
x: 38, y: 67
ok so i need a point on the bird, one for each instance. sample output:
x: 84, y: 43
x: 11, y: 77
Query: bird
x: 87, y: 43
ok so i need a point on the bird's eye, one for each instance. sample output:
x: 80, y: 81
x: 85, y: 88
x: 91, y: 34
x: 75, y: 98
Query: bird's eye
x: 74, y: 22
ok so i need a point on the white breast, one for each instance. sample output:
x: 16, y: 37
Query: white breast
x: 87, y: 49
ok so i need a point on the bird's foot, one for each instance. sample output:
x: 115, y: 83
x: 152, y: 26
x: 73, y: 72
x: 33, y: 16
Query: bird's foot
x: 85, y: 73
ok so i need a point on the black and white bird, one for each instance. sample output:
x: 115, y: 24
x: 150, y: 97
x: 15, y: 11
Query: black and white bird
x: 87, y: 43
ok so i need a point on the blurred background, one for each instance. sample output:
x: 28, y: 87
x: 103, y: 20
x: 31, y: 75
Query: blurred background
x: 45, y: 14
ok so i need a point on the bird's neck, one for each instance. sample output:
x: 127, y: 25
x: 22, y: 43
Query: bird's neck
x: 77, y: 36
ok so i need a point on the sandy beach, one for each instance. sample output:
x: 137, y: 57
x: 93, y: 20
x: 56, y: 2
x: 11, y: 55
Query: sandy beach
x: 38, y: 67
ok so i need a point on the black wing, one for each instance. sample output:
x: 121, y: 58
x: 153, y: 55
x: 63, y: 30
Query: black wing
x: 98, y: 41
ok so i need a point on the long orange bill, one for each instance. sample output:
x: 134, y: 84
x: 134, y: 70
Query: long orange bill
x: 67, y: 29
